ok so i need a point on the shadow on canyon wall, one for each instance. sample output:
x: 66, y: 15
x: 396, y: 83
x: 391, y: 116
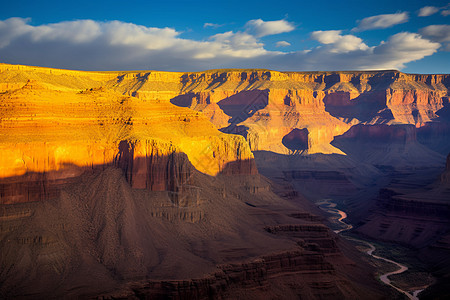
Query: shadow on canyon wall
x: 392, y: 201
x: 147, y: 226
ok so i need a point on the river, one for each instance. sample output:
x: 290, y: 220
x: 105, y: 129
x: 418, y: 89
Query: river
x: 330, y: 207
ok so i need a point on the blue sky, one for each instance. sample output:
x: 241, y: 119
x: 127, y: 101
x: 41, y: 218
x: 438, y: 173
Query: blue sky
x: 413, y: 36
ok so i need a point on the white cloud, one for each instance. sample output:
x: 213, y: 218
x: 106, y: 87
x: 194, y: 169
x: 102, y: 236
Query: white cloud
x: 87, y: 44
x: 260, y: 28
x: 119, y: 33
x: 91, y: 45
x: 427, y: 11
x: 11, y: 28
x: 397, y: 51
x: 282, y: 44
x: 87, y: 31
x: 445, y: 12
x: 212, y: 25
x: 381, y: 21
x: 338, y: 43
x: 82, y: 31
x: 239, y: 44
x: 327, y: 36
x: 404, y: 47
x: 437, y: 33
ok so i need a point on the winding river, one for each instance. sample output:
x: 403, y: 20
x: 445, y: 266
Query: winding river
x: 330, y: 207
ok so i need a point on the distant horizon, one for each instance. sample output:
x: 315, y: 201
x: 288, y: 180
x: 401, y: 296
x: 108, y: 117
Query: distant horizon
x: 228, y: 69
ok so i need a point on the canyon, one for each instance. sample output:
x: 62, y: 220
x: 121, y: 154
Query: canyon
x: 149, y: 184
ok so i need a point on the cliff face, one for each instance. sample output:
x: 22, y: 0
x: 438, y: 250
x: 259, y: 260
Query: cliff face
x: 264, y: 106
x: 125, y: 175
x: 201, y: 237
x: 411, y: 210
x: 50, y: 136
x: 69, y: 122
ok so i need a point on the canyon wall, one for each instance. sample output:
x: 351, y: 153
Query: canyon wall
x: 50, y: 134
x: 268, y: 105
x: 57, y: 124
x: 157, y: 169
x: 264, y: 106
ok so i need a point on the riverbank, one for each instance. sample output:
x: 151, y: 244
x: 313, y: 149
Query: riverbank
x: 396, y: 268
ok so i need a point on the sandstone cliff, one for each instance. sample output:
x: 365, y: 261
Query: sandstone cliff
x: 99, y: 119
x: 264, y: 106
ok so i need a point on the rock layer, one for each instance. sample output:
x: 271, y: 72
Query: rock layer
x: 118, y: 177
x: 275, y: 103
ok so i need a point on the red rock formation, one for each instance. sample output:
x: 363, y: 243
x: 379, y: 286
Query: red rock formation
x: 375, y: 97
x: 296, y: 140
x: 148, y: 165
x: 72, y: 216
x: 295, y: 100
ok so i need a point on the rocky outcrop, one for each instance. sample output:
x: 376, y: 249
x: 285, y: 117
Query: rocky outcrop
x: 153, y: 166
x: 253, y: 278
x: 37, y: 171
x: 296, y: 140
x: 415, y: 106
